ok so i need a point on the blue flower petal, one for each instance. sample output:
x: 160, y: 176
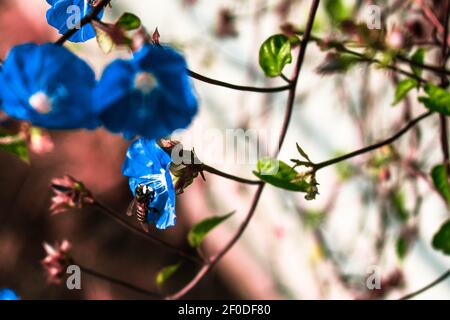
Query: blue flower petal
x: 60, y: 13
x: 8, y: 294
x: 155, y: 113
x: 64, y: 80
x: 148, y: 164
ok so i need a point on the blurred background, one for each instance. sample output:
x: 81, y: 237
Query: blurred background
x: 293, y: 248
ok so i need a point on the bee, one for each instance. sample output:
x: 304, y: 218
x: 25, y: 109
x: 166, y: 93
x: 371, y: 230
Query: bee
x: 139, y: 205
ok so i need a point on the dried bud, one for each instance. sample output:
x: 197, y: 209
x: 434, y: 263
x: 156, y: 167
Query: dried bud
x: 156, y: 36
x: 68, y: 194
x: 226, y: 24
x: 56, y: 261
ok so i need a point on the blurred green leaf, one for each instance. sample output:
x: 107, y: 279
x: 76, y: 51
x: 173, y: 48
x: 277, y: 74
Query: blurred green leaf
x: 441, y: 240
x: 438, y: 99
x: 274, y: 54
x: 314, y: 218
x: 279, y: 174
x: 440, y: 181
x: 419, y: 58
x: 398, y: 203
x: 128, y: 22
x: 337, y: 63
x: 200, y: 230
x: 403, y: 87
x: 166, y: 273
x: 15, y: 144
x: 337, y: 11
x: 401, y: 247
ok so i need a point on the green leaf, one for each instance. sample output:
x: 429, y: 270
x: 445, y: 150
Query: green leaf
x: 314, y: 218
x: 281, y: 175
x: 274, y: 54
x: 403, y: 87
x: 401, y: 247
x: 337, y: 11
x: 438, y: 99
x: 440, y: 181
x: 441, y: 240
x: 15, y: 144
x: 302, y: 152
x: 398, y: 205
x: 128, y: 22
x: 200, y: 230
x: 418, y: 57
x: 166, y: 273
x: 104, y: 40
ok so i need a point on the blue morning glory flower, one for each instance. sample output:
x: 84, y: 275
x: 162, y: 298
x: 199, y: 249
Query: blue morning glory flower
x: 147, y: 164
x: 49, y: 86
x: 149, y: 96
x: 66, y: 14
x: 8, y: 294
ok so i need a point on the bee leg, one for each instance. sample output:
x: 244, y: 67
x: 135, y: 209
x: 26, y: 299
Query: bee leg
x: 144, y: 226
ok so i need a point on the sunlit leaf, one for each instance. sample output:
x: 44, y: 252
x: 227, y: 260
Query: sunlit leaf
x: 438, y: 99
x: 274, y: 54
x: 199, y: 231
x: 279, y: 174
x: 15, y: 144
x: 403, y: 87
x: 128, y: 21
x: 440, y: 181
x: 166, y: 273
x: 104, y: 40
x: 337, y: 10
x: 441, y: 240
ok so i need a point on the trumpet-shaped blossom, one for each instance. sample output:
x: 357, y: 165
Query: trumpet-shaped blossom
x: 8, y: 294
x: 67, y: 14
x: 49, y: 86
x: 148, y: 164
x: 150, y: 95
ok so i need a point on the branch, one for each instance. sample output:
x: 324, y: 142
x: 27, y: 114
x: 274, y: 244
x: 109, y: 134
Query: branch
x: 119, y: 282
x: 427, y: 287
x: 228, y: 176
x: 234, y: 86
x: 290, y: 105
x: 375, y: 146
x: 148, y: 236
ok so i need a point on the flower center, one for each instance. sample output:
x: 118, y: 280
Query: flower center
x: 41, y: 102
x: 145, y: 82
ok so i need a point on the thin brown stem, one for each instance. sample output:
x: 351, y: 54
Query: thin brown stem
x: 119, y: 282
x: 228, y: 176
x: 148, y: 236
x: 215, y: 82
x: 290, y: 105
x: 427, y: 287
x: 375, y: 146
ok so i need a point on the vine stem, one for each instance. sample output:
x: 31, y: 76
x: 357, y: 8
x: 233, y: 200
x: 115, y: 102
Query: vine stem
x: 290, y: 106
x: 228, y: 176
x: 372, y: 147
x: 444, y: 84
x: 427, y: 287
x: 119, y: 282
x: 148, y: 236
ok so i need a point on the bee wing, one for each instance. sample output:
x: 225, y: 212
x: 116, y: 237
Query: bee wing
x: 132, y: 208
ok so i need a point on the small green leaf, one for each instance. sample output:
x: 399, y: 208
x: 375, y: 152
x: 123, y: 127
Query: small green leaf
x: 200, y: 230
x: 281, y: 175
x: 440, y: 181
x: 441, y: 240
x: 337, y: 11
x: 128, y: 22
x: 302, y: 152
x: 403, y: 87
x: 401, y: 247
x: 274, y: 54
x: 398, y: 205
x: 166, y: 273
x: 419, y: 58
x: 15, y: 144
x: 438, y: 99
